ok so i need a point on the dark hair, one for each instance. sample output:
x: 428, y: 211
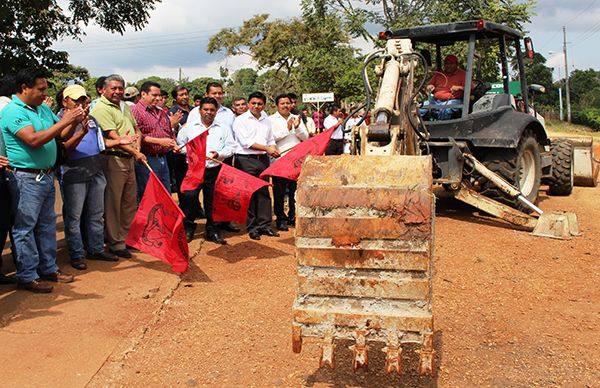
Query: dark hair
x: 177, y: 89
x: 209, y: 100
x: 164, y: 93
x: 292, y: 96
x: 197, y: 97
x: 59, y: 98
x: 333, y: 109
x: 8, y: 86
x: 238, y: 99
x: 279, y: 97
x: 29, y: 77
x: 100, y: 83
x: 213, y: 85
x: 147, y: 85
x: 259, y: 95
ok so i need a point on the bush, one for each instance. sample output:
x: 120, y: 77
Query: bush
x: 589, y: 117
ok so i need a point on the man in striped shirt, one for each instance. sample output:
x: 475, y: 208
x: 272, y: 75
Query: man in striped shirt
x: 158, y: 137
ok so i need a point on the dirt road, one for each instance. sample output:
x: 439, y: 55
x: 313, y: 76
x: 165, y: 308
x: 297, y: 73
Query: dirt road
x: 510, y: 310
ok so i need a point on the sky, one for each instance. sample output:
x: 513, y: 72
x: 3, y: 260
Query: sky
x: 178, y: 32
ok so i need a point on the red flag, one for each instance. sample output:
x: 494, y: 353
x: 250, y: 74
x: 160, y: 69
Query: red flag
x: 233, y: 191
x: 196, y: 157
x: 157, y: 228
x: 289, y: 165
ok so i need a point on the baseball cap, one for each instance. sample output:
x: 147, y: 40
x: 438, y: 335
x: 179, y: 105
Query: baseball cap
x: 130, y: 91
x: 451, y: 58
x: 74, y: 92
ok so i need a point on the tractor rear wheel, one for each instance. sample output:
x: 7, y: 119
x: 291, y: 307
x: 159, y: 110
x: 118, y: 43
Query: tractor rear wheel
x: 562, y: 167
x: 521, y: 167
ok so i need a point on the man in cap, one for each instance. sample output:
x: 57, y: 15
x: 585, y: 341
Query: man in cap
x: 446, y: 87
x: 131, y: 95
x: 83, y: 184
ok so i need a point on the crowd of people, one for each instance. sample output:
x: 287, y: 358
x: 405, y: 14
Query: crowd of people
x: 101, y: 152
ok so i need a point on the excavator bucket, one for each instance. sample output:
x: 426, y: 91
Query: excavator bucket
x: 364, y: 246
x: 561, y: 225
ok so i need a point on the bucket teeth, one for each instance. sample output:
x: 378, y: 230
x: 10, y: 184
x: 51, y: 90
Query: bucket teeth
x: 393, y: 359
x: 427, y: 355
x: 327, y: 353
x: 360, y: 357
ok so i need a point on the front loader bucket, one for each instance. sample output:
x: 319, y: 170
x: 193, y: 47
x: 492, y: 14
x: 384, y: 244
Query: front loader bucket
x: 560, y: 225
x: 364, y: 243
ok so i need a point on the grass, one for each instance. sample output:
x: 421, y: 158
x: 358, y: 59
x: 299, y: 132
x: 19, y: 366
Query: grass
x: 563, y: 127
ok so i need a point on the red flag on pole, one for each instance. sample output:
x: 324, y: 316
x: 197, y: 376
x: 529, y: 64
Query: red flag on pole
x: 289, y: 165
x: 196, y: 157
x: 157, y: 228
x: 233, y: 191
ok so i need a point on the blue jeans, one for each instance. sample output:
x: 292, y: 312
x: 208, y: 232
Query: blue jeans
x: 160, y: 167
x: 442, y: 114
x: 34, y: 230
x: 84, y: 197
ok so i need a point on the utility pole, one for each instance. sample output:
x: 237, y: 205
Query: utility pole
x: 180, y: 75
x: 566, y: 75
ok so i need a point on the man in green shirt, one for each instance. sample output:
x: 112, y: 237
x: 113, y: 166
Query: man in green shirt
x: 120, y: 196
x: 29, y: 129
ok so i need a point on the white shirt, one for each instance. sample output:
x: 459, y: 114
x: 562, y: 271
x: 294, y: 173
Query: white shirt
x: 285, y: 138
x: 249, y: 130
x: 217, y: 140
x: 329, y: 122
x: 224, y: 118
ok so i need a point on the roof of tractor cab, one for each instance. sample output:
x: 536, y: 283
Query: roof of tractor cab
x: 451, y: 32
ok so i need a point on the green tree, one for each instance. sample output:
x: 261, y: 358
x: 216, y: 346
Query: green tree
x: 582, y: 83
x: 536, y: 72
x: 301, y: 55
x: 67, y: 75
x: 30, y: 27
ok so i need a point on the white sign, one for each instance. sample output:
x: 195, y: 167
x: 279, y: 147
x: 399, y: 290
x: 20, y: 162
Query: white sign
x: 318, y: 97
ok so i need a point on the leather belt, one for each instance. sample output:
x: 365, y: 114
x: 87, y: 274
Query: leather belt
x: 252, y: 156
x: 30, y: 170
x: 117, y: 153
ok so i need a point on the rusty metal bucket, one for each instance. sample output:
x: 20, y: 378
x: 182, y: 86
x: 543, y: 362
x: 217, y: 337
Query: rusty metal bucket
x: 561, y: 225
x: 364, y: 245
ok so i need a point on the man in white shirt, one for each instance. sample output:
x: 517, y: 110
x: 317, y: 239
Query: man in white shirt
x: 218, y: 147
x: 256, y: 143
x: 352, y: 121
x: 334, y: 120
x: 225, y: 119
x: 288, y: 131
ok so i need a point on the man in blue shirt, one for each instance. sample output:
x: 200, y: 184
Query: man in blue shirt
x: 29, y: 129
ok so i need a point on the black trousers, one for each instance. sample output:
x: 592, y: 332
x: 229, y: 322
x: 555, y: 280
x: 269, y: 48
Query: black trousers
x: 189, y: 202
x: 259, y: 211
x: 177, y: 170
x: 6, y: 215
x: 335, y: 147
x: 281, y: 186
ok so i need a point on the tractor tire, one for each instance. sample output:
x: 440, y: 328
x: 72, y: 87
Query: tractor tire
x: 521, y: 167
x: 562, y: 167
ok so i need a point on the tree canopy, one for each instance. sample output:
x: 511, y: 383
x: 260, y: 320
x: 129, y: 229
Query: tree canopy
x: 30, y: 27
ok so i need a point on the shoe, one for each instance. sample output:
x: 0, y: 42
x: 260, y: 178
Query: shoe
x: 58, y: 277
x: 36, y: 286
x: 214, y: 237
x: 7, y: 279
x: 281, y: 225
x: 228, y: 226
x: 269, y: 232
x: 189, y: 236
x: 78, y: 264
x: 124, y: 253
x: 254, y: 235
x: 292, y: 221
x: 104, y: 256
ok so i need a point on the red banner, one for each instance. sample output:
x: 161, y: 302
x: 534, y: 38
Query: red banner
x: 233, y: 191
x: 196, y: 157
x: 157, y: 228
x: 290, y: 164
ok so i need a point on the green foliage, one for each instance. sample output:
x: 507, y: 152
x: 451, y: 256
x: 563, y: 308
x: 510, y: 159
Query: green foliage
x: 242, y: 83
x: 582, y: 85
x: 300, y: 55
x: 30, y: 27
x: 589, y: 117
x: 67, y: 75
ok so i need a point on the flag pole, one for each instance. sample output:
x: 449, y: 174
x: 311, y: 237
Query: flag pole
x: 147, y: 165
